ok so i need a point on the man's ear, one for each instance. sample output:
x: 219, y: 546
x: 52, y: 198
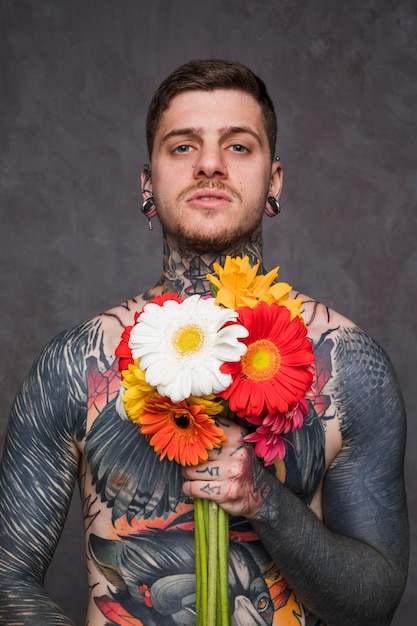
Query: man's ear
x: 272, y: 206
x: 277, y: 177
x: 146, y: 181
x: 148, y: 206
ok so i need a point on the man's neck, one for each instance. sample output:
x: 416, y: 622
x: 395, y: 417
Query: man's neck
x: 185, y: 270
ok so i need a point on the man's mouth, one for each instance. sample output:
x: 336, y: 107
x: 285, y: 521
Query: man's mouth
x: 209, y: 194
x: 213, y: 194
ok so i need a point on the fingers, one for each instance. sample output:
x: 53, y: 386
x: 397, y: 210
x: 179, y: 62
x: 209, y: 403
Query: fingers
x: 224, y: 478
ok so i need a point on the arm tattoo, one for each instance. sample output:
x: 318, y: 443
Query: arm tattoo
x: 38, y: 473
x: 355, y: 563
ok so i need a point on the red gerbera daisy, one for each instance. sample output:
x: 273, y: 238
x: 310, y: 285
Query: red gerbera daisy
x: 274, y: 373
x: 123, y: 352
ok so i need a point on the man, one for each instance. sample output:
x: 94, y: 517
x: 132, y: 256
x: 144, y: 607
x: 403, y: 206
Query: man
x: 322, y: 538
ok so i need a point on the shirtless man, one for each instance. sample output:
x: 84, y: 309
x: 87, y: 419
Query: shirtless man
x: 326, y: 530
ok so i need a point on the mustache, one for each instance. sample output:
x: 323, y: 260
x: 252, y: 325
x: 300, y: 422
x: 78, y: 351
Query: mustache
x: 209, y: 184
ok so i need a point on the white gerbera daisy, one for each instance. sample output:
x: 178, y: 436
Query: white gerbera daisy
x: 181, y: 346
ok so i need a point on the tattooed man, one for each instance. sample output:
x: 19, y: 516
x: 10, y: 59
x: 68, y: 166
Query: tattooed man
x: 322, y: 538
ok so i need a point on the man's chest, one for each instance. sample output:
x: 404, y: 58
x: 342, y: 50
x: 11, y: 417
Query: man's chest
x: 129, y: 477
x: 140, y: 526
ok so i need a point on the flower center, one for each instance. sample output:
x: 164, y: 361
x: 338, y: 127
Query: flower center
x: 189, y: 339
x: 261, y: 361
x: 182, y: 420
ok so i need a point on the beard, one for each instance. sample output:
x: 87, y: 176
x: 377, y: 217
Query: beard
x: 203, y: 242
x: 208, y: 234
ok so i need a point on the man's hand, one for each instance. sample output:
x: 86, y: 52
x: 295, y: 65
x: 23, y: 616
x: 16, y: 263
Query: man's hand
x: 232, y: 476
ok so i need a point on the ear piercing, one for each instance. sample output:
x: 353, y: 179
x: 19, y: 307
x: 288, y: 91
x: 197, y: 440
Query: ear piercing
x: 274, y: 205
x: 147, y: 208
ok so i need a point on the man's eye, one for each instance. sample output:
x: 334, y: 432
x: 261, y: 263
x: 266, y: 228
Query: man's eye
x: 237, y: 147
x: 183, y: 149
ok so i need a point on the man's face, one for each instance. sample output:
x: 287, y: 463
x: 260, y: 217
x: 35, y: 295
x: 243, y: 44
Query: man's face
x: 211, y: 169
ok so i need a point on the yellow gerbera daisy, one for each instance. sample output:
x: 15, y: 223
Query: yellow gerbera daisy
x: 136, y: 391
x: 238, y: 286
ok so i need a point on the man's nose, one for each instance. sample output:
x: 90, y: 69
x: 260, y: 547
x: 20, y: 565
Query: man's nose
x: 210, y: 163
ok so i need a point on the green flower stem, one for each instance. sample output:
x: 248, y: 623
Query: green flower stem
x: 212, y: 562
x: 201, y: 560
x: 224, y: 617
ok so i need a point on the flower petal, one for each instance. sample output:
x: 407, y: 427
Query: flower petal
x: 181, y: 345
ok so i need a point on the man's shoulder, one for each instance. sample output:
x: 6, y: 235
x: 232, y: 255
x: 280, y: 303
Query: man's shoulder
x: 108, y: 324
x: 327, y: 327
x: 96, y: 336
x: 356, y: 380
x: 321, y: 319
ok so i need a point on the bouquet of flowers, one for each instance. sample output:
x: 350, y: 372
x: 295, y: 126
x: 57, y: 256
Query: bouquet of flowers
x: 242, y: 353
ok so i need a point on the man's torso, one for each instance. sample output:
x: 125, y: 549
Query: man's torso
x: 139, y: 526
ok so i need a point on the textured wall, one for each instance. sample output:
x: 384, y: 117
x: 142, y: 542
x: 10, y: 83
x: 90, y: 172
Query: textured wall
x: 75, y: 80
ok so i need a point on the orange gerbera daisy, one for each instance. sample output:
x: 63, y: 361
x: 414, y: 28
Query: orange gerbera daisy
x: 238, y: 285
x: 182, y: 431
x: 275, y: 371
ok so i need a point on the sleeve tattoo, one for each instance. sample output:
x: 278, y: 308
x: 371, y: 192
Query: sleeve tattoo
x: 354, y: 564
x: 38, y: 473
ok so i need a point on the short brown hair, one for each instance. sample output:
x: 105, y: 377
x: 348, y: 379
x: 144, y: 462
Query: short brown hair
x: 208, y: 75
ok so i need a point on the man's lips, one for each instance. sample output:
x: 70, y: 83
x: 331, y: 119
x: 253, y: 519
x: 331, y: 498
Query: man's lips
x: 209, y: 195
x: 209, y: 199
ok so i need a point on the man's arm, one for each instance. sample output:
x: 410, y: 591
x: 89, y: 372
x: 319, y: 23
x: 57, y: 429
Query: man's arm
x: 37, y: 477
x: 352, y: 568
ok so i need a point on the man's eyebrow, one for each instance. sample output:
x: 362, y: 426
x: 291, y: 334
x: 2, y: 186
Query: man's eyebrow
x: 226, y: 130
x: 236, y: 130
x: 180, y: 132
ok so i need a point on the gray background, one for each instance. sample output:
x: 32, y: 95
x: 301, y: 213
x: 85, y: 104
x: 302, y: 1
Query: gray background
x: 75, y: 80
